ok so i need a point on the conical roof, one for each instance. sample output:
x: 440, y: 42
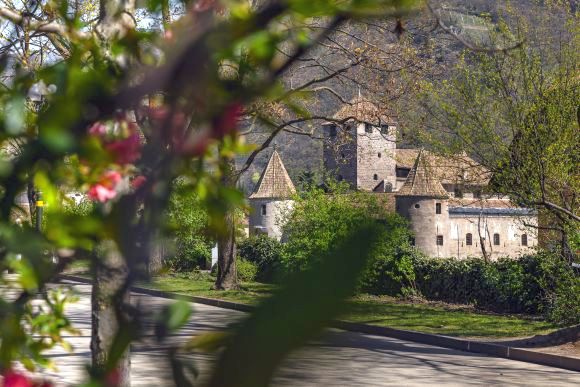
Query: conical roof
x: 362, y: 110
x: 274, y: 182
x: 421, y: 181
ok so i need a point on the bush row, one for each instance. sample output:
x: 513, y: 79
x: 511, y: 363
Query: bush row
x: 539, y: 284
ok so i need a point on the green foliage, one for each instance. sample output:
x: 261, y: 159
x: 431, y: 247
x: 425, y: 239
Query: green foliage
x: 319, y: 221
x: 247, y: 271
x: 536, y: 284
x: 189, y: 230
x: 265, y: 252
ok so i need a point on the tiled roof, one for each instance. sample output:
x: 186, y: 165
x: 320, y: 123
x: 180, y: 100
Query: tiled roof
x: 421, y: 181
x: 447, y: 169
x: 274, y: 182
x: 362, y: 110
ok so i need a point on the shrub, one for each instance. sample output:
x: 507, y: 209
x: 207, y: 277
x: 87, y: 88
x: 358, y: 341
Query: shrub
x: 247, y: 270
x: 265, y: 253
x: 319, y: 221
x: 188, y: 221
x: 539, y: 283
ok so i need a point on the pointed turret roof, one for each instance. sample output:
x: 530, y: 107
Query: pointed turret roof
x: 363, y: 110
x: 274, y: 182
x: 421, y: 181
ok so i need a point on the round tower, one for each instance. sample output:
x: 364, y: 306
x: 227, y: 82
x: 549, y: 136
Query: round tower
x: 424, y: 202
x: 272, y: 199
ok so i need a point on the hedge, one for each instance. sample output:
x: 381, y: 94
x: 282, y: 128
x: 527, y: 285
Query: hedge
x: 541, y: 283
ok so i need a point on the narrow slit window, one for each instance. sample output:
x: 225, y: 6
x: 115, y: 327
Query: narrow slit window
x: 468, y: 239
x: 438, y: 208
x: 332, y: 130
x: 264, y: 210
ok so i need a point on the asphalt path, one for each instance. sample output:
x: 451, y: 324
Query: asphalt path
x: 339, y: 358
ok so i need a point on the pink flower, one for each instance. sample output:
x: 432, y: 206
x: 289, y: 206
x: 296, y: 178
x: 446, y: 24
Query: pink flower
x: 127, y: 150
x: 14, y: 379
x: 138, y: 181
x: 98, y: 129
x: 228, y: 121
x: 104, y: 190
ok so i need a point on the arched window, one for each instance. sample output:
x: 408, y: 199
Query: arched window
x: 524, y: 239
x: 376, y: 177
x: 264, y: 210
x: 496, y: 239
x: 417, y: 205
x: 468, y: 239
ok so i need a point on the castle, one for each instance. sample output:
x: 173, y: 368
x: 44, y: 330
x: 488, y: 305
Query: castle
x: 444, y: 198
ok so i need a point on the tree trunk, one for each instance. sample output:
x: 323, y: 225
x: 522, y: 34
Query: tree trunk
x: 107, y: 308
x: 227, y: 276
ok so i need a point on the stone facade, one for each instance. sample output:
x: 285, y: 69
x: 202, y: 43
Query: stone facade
x: 361, y: 150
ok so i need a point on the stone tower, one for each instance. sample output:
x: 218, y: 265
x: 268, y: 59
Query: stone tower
x: 424, y: 202
x: 361, y: 150
x: 271, y: 199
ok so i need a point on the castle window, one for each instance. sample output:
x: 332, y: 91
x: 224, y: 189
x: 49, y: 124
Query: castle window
x: 417, y: 205
x: 264, y: 211
x: 375, y: 177
x: 468, y: 239
x: 368, y: 128
x: 332, y: 130
x: 438, y: 208
x: 439, y: 240
x: 496, y: 239
x: 524, y: 239
x: 402, y: 172
x: 379, y: 155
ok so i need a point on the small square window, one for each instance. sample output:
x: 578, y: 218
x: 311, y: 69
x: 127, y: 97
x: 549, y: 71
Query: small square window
x: 385, y: 129
x: 368, y: 128
x: 438, y: 208
x: 375, y: 177
x: 439, y: 240
x: 458, y: 192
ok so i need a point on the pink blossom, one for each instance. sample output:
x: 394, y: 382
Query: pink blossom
x: 127, y: 150
x: 98, y: 129
x: 104, y: 190
x: 138, y: 181
x: 14, y: 379
x: 228, y: 121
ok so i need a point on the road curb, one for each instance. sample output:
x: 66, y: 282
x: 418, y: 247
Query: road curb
x: 496, y: 350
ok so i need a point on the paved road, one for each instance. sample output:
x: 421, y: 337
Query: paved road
x: 339, y: 359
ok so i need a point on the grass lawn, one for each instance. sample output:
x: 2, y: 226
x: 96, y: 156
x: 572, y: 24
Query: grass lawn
x: 384, y: 311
